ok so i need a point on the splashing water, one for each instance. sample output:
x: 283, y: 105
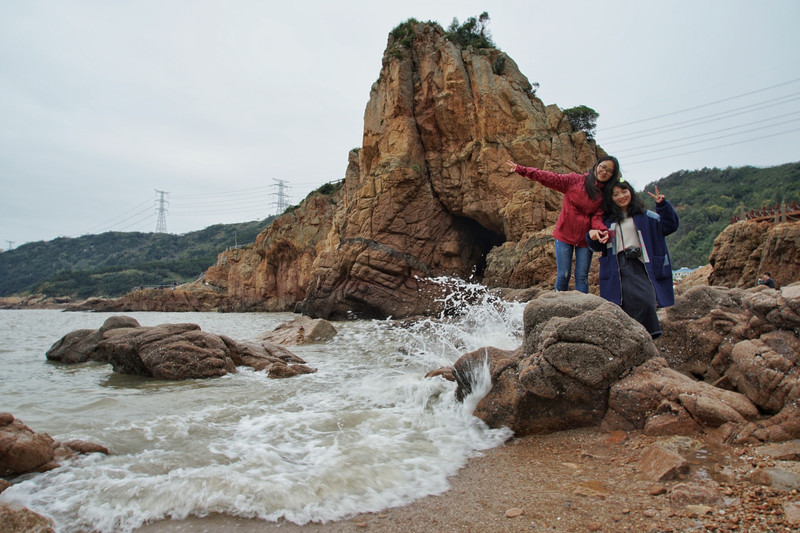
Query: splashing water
x: 364, y: 433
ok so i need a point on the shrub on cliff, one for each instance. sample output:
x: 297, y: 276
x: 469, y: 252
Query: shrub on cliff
x: 472, y: 32
x: 583, y: 118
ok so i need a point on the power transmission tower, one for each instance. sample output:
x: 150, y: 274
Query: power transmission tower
x: 10, y: 244
x: 161, y: 225
x: 282, y: 203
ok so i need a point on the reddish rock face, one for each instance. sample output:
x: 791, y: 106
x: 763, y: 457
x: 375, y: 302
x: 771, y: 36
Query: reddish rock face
x: 745, y: 250
x: 429, y: 194
x: 274, y: 273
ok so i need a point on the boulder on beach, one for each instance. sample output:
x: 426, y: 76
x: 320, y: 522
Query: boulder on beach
x: 23, y: 450
x: 301, y: 330
x: 728, y: 363
x: 575, y: 347
x: 172, y: 351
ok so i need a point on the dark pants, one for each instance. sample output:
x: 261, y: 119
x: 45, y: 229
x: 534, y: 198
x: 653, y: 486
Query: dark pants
x: 638, y: 295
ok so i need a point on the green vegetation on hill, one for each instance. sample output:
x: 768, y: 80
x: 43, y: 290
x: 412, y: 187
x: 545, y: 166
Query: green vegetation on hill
x: 706, y: 199
x: 112, y: 263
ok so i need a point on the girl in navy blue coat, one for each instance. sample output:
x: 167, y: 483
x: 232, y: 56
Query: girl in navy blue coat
x: 635, y: 267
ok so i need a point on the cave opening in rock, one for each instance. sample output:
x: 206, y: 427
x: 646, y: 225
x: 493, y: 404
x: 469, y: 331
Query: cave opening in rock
x: 482, y: 240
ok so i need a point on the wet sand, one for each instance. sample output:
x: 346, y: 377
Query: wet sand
x: 578, y: 480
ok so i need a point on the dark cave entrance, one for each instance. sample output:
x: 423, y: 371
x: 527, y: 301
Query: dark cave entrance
x: 482, y: 240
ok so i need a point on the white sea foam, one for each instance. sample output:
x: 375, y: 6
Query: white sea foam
x: 364, y: 433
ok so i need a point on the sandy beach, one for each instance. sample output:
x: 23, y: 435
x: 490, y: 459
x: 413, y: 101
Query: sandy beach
x: 578, y: 480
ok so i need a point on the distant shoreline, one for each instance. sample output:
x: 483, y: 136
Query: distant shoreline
x: 37, y: 301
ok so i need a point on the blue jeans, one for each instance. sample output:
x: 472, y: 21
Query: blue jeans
x: 583, y: 258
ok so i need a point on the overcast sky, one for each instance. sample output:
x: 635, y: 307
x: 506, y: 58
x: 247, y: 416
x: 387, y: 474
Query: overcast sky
x: 104, y: 103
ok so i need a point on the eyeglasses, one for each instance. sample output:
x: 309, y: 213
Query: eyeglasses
x: 605, y: 169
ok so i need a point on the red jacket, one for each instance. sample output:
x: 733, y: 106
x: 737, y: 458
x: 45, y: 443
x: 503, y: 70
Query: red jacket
x: 579, y: 213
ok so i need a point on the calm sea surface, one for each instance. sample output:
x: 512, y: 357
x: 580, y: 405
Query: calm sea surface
x: 364, y: 433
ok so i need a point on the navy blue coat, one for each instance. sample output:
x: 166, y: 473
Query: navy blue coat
x: 652, y: 228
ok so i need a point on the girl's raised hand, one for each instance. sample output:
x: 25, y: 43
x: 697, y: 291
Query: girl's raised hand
x: 511, y: 165
x: 657, y: 197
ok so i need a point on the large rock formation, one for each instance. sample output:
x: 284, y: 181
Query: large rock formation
x: 429, y: 195
x: 745, y: 250
x: 728, y: 362
x: 172, y: 351
x: 575, y: 347
x: 273, y: 275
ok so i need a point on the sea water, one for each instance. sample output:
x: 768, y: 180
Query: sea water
x: 366, y: 432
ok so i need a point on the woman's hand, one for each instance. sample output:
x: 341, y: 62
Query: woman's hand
x: 657, y: 197
x: 598, y: 235
x: 512, y: 166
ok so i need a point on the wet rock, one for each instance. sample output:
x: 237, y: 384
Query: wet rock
x: 301, y: 330
x: 15, y: 519
x: 784, y: 451
x: 168, y: 351
x: 84, y: 447
x: 259, y: 354
x: 444, y: 372
x: 173, y: 351
x: 791, y: 511
x: 777, y: 478
x: 76, y: 346
x: 24, y: 450
x: 81, y: 345
x: 671, y: 419
x: 694, y: 510
x: 704, y: 492
x: 280, y: 371
x: 118, y: 322
x: 576, y: 345
x: 660, y: 463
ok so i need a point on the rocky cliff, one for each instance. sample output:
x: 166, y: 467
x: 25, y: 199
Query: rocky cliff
x: 745, y: 250
x: 429, y: 196
x: 274, y: 273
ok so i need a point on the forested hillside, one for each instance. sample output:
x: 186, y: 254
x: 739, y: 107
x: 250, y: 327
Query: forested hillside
x: 707, y: 199
x: 112, y: 263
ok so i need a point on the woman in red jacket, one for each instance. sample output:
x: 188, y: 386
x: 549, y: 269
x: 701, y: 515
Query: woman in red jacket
x: 580, y: 211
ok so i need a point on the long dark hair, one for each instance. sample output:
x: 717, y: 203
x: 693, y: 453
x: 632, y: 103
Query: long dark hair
x: 613, y: 211
x: 591, y: 179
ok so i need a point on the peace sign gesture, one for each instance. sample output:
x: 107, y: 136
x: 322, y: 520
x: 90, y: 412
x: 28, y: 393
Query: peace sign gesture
x: 657, y: 197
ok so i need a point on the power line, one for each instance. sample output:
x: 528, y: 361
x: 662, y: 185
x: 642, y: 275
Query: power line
x: 662, y: 148
x: 114, y: 220
x: 239, y: 192
x: 706, y: 118
x: 704, y: 105
x: 714, y: 147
